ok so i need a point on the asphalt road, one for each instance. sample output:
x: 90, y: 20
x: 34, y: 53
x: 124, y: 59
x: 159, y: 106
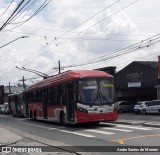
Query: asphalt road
x: 147, y: 117
x: 105, y: 134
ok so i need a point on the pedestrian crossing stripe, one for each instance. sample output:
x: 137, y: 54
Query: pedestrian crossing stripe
x: 100, y: 132
x: 72, y: 132
x: 129, y: 126
x: 117, y: 129
x: 133, y: 127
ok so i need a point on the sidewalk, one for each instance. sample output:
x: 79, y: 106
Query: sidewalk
x: 13, y: 143
x: 8, y: 138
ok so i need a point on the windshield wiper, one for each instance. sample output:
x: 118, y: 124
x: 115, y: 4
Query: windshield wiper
x: 96, y: 98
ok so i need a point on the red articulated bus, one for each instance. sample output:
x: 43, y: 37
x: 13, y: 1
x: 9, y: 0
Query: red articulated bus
x: 18, y: 104
x: 78, y: 96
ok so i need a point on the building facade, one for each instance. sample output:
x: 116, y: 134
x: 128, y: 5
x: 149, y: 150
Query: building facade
x: 137, y: 81
x: 1, y: 94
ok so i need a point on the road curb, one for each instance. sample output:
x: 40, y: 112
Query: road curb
x: 129, y: 123
x: 151, y: 125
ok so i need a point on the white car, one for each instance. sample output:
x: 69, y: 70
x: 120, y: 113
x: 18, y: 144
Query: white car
x: 2, y: 108
x: 6, y: 108
x: 140, y: 107
x: 153, y: 107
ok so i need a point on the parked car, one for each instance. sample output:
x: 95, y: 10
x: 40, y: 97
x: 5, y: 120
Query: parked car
x: 2, y: 109
x: 152, y: 107
x: 140, y: 107
x: 125, y: 106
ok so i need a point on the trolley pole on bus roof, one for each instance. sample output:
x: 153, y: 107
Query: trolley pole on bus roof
x: 59, y: 66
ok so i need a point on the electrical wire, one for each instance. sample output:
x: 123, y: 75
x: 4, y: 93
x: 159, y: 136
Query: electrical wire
x: 6, y: 22
x: 77, y: 26
x: 97, y: 22
x: 148, y: 42
x: 90, y: 18
x: 1, y: 16
x: 31, y: 5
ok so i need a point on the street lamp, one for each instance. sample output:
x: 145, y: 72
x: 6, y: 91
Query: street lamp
x: 34, y: 71
x: 14, y: 40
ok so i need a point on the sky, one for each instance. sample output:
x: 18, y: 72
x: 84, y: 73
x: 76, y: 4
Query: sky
x: 50, y: 37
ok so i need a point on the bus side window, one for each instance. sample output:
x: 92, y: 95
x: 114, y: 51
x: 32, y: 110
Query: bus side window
x: 40, y: 95
x: 56, y: 95
x: 63, y: 95
x: 34, y: 96
x: 31, y: 96
x: 52, y: 95
x: 49, y: 96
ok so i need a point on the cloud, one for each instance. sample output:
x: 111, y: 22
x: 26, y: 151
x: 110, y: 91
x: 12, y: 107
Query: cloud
x: 61, y: 16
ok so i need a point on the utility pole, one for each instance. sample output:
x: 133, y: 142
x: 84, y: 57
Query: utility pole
x: 9, y: 88
x: 23, y: 82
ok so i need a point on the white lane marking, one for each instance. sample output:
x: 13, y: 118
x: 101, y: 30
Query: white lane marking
x: 101, y: 132
x: 72, y: 132
x: 117, y: 129
x: 133, y: 127
x: 115, y: 125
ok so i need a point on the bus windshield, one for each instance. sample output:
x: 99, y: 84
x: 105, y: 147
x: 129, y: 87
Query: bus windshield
x: 94, y: 92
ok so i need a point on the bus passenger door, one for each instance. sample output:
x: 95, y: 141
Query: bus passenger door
x: 16, y: 105
x: 70, y: 105
x: 45, y: 100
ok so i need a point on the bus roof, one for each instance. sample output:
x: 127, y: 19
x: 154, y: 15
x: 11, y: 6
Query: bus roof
x: 67, y: 76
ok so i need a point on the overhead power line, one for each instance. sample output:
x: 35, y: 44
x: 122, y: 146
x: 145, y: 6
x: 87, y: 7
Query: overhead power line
x: 23, y: 6
x: 97, y: 34
x: 145, y: 43
x: 1, y: 16
x: 76, y: 26
x: 22, y: 1
x: 34, y: 14
x: 89, y: 18
x: 19, y: 11
x: 99, y: 21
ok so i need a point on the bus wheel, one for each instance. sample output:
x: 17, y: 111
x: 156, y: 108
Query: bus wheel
x: 35, y: 115
x: 63, y: 119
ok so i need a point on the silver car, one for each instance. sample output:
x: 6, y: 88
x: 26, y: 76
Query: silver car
x: 125, y: 106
